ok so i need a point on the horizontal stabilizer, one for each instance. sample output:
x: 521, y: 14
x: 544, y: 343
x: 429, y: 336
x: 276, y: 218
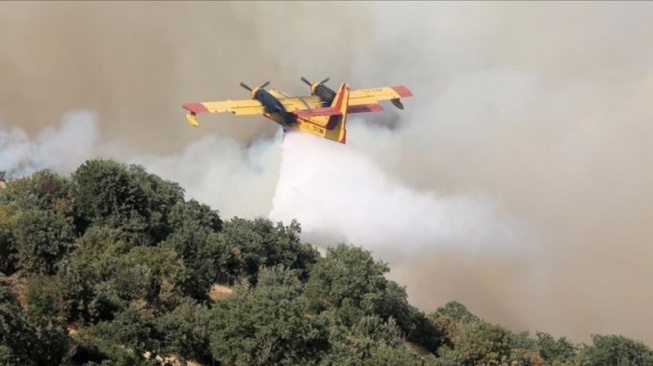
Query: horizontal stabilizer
x: 363, y: 108
x: 308, y: 113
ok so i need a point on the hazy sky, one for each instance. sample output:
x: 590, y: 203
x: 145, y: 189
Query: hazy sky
x: 517, y: 180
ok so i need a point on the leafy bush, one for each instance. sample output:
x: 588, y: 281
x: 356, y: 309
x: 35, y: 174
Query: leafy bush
x: 112, y: 266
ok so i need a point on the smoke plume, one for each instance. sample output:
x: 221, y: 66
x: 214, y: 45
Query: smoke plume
x: 61, y: 148
x: 517, y: 180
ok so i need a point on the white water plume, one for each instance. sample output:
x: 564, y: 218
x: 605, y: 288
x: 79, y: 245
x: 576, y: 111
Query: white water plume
x: 336, y: 190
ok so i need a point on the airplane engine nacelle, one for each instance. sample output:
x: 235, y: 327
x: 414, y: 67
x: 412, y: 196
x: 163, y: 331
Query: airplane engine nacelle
x: 325, y: 94
x: 270, y: 103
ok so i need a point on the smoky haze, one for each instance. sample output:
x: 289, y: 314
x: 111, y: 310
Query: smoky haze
x: 134, y: 64
x: 528, y: 140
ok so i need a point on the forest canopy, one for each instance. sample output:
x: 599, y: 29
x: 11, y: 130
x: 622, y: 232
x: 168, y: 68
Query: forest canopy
x: 112, y: 265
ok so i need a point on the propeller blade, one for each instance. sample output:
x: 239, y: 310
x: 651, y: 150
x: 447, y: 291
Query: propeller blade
x: 264, y: 85
x: 306, y: 81
x: 245, y: 86
x: 324, y: 81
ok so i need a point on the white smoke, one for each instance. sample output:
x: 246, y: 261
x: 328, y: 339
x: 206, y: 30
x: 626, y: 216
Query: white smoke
x: 237, y: 179
x: 16, y: 153
x: 61, y: 149
x: 337, y: 191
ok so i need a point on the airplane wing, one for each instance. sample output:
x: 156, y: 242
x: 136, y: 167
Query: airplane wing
x: 237, y: 107
x: 309, y: 105
x: 293, y: 104
x: 241, y: 107
x: 374, y: 95
x: 360, y: 101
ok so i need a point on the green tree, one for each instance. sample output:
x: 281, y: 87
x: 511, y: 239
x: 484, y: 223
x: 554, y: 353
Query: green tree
x: 161, y: 197
x: 44, y: 298
x: 105, y: 192
x: 130, y: 329
x: 205, y: 257
x: 350, y: 274
x: 385, y: 355
x: 194, y: 238
x: 184, y: 332
x: 127, y: 197
x: 194, y: 215
x: 94, y: 347
x: 478, y: 343
x: 415, y: 325
x: 457, y: 312
x: 43, y: 190
x: 16, y: 336
x: 42, y: 238
x: 260, y: 243
x: 7, y: 245
x: 164, y: 272
x: 449, y: 317
x: 371, y: 341
x: 99, y: 242
x: 265, y: 326
x: 94, y: 275
x: 555, y: 351
x: 74, y: 292
x: 52, y: 343
x: 616, y: 350
x: 279, y: 276
x: 24, y: 343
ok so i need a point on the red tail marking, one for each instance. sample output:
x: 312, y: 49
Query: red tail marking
x: 337, y: 103
x: 342, y: 104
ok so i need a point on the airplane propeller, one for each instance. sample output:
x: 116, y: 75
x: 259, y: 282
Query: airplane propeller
x: 250, y: 89
x: 311, y: 84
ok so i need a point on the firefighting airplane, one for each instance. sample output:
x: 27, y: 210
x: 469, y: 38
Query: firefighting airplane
x: 323, y: 113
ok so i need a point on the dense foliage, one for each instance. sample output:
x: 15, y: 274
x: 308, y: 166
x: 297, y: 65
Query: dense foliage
x: 113, y: 266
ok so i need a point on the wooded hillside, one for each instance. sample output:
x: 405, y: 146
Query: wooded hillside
x: 113, y: 266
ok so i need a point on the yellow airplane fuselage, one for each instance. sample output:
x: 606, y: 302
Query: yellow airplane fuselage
x: 316, y: 125
x: 329, y: 127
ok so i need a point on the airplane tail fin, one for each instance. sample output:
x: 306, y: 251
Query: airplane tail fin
x: 338, y: 122
x: 328, y: 122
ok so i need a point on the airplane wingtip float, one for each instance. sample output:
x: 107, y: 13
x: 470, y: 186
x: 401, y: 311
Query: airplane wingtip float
x: 323, y: 113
